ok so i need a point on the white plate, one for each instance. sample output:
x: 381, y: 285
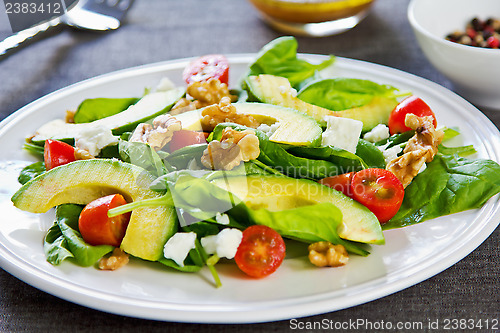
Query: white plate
x: 148, y: 290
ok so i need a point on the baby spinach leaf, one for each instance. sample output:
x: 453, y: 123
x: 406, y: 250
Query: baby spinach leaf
x: 450, y: 184
x: 396, y: 139
x: 370, y: 154
x: 143, y: 155
x: 339, y: 94
x: 308, y: 224
x: 55, y: 246
x: 461, y: 151
x: 279, y: 57
x: 98, y: 108
x: 187, y: 268
x: 35, y: 149
x: 31, y: 171
x: 181, y: 157
x: 65, y: 241
x: 340, y: 160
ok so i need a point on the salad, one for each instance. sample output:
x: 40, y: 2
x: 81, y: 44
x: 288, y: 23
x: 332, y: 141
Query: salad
x: 190, y: 176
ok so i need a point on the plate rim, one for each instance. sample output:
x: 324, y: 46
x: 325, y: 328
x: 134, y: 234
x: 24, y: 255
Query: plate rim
x: 30, y: 275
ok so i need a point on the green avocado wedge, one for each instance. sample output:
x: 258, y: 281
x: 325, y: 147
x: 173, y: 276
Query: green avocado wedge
x: 278, y: 91
x: 277, y: 193
x: 146, y: 108
x: 295, y: 128
x: 83, y: 181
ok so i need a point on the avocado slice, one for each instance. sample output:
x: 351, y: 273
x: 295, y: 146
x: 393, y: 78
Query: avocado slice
x: 83, y: 181
x: 146, y: 108
x: 277, y: 193
x: 296, y: 128
x: 278, y: 91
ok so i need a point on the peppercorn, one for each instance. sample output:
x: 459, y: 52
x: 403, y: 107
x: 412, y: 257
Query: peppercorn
x: 478, y: 33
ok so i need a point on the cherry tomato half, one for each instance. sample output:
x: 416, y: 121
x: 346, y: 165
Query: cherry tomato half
x: 411, y: 104
x: 379, y: 190
x: 184, y: 138
x: 56, y: 153
x: 99, y: 229
x: 341, y: 183
x: 261, y: 251
x: 212, y: 66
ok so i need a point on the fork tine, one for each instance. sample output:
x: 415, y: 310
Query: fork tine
x: 113, y: 8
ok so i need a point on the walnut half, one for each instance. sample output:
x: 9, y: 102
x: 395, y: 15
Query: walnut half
x: 324, y: 254
x: 225, y: 112
x: 234, y: 147
x: 159, y: 133
x: 116, y: 260
x: 421, y: 148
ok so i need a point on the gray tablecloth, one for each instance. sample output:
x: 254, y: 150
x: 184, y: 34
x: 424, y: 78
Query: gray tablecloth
x: 158, y: 30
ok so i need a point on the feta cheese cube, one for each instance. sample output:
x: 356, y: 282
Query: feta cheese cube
x: 93, y: 139
x: 224, y: 244
x: 178, y: 246
x: 342, y: 133
x: 391, y: 153
x: 379, y: 132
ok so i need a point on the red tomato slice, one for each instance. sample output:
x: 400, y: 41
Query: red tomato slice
x: 411, y: 104
x: 341, y: 183
x: 99, y: 229
x: 212, y: 66
x: 261, y: 251
x: 379, y: 190
x: 184, y: 138
x: 56, y: 153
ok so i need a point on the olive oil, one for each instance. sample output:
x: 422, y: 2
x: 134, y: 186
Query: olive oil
x: 311, y: 11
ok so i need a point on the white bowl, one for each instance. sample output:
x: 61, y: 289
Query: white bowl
x: 474, y: 71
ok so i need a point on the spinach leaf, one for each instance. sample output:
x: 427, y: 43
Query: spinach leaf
x: 339, y: 94
x: 34, y: 149
x: 63, y: 240
x: 31, y: 171
x: 340, y: 160
x: 181, y: 157
x: 450, y: 184
x: 98, y: 108
x: 141, y: 154
x: 396, y: 139
x: 370, y: 154
x: 461, y: 151
x: 307, y: 224
x: 55, y: 246
x: 279, y: 57
x: 187, y: 268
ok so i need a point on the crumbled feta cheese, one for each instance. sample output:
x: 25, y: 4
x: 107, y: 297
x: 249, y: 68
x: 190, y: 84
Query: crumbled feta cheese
x: 222, y: 218
x: 165, y: 85
x: 379, y: 132
x: 342, y: 133
x: 391, y: 153
x: 93, y: 139
x: 224, y: 244
x: 269, y: 130
x: 178, y: 246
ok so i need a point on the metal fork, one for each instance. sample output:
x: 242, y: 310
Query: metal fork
x: 97, y: 15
